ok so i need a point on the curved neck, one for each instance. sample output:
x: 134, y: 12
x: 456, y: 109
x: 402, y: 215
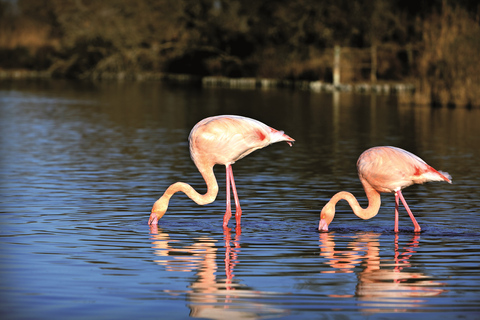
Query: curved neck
x: 161, y: 205
x: 374, y: 201
x: 371, y: 211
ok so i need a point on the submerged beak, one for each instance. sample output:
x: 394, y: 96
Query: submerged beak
x: 153, y: 220
x: 323, y: 225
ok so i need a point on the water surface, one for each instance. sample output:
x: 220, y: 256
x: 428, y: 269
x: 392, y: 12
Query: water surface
x: 82, y: 164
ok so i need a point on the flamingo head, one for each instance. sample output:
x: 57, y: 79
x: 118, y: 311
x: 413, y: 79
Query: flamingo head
x: 326, y: 217
x: 279, y: 135
x: 158, y: 210
x: 289, y: 140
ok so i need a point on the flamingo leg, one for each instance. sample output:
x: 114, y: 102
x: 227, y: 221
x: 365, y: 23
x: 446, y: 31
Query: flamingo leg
x: 396, y: 212
x: 238, y: 209
x: 228, y: 211
x: 417, y: 226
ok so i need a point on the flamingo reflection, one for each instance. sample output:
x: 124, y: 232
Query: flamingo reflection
x: 210, y: 296
x: 382, y: 283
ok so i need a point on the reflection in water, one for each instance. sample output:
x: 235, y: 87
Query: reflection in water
x: 79, y: 161
x: 211, y: 297
x: 394, y: 284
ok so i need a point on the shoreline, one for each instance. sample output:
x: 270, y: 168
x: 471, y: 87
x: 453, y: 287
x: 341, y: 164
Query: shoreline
x: 224, y: 82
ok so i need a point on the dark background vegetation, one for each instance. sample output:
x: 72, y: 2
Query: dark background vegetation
x: 433, y: 43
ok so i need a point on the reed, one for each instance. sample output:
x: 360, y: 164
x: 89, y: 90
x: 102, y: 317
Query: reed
x: 449, y: 66
x: 94, y: 40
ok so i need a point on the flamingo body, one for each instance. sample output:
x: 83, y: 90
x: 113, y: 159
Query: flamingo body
x: 384, y: 170
x: 388, y: 169
x: 220, y: 140
x: 227, y: 139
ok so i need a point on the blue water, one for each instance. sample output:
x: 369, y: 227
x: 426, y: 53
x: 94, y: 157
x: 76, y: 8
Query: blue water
x: 82, y: 164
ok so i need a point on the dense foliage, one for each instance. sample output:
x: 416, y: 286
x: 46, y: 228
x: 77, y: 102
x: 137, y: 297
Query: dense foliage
x: 431, y: 41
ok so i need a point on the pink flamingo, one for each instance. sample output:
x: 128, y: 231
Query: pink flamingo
x: 384, y: 169
x: 220, y: 140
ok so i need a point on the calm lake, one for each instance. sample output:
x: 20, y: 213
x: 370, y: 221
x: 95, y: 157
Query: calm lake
x: 82, y: 164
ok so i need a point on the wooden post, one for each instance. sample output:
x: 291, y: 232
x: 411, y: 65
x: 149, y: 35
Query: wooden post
x: 336, y: 65
x: 373, y: 69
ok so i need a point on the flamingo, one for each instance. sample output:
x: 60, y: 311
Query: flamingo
x: 220, y: 140
x: 384, y: 169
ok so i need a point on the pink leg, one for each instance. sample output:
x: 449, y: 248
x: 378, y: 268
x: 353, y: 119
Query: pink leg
x: 238, y: 209
x: 417, y: 226
x: 396, y: 212
x: 228, y: 211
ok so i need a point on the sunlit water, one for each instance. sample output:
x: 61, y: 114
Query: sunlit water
x: 82, y: 164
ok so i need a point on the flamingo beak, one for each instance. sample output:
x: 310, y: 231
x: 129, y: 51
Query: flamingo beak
x: 323, y: 225
x: 288, y: 140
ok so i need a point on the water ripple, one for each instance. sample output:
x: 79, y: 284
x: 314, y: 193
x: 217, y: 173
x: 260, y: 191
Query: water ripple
x: 81, y: 168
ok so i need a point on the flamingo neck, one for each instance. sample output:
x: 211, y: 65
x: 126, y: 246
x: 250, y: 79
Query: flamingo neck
x: 161, y: 205
x: 367, y: 213
x: 374, y: 201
